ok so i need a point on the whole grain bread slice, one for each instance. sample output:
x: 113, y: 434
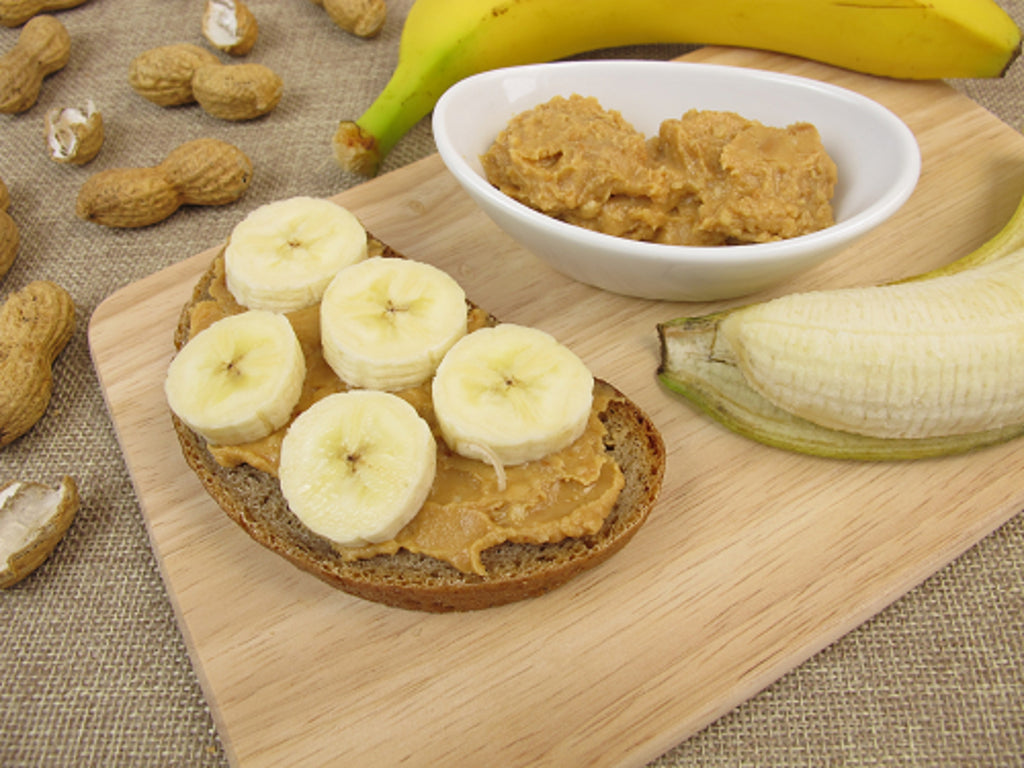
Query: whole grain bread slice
x: 515, y: 571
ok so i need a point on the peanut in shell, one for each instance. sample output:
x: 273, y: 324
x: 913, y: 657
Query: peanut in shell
x: 36, y: 323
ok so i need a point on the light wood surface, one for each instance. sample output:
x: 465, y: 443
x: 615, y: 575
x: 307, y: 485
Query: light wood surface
x: 753, y: 559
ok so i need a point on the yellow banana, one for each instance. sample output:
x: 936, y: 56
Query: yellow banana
x: 928, y: 366
x: 444, y: 41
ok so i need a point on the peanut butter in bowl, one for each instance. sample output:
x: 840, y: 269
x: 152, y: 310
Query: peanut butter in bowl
x: 706, y: 178
x: 723, y: 159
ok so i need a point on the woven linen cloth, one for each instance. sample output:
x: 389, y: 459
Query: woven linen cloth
x: 93, y: 666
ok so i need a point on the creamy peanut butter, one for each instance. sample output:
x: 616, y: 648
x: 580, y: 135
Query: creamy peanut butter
x: 707, y: 178
x: 568, y: 493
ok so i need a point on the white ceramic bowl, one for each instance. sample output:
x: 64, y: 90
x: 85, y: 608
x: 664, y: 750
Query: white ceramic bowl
x: 877, y: 157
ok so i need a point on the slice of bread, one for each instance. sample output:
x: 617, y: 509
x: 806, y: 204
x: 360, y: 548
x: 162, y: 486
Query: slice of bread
x: 253, y: 499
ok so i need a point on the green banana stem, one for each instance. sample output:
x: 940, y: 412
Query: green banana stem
x: 360, y: 146
x: 441, y: 44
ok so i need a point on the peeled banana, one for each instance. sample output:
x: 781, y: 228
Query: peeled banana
x: 444, y: 41
x: 928, y: 366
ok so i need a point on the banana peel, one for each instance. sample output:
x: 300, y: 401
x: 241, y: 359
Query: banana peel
x: 691, y: 367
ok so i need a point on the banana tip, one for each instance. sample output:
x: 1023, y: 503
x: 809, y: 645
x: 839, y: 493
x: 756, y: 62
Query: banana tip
x: 1014, y: 55
x: 356, y: 149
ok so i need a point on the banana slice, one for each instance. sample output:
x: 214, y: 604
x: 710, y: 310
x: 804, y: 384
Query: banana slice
x: 282, y: 256
x: 511, y: 394
x: 386, y: 323
x: 239, y: 379
x: 357, y: 466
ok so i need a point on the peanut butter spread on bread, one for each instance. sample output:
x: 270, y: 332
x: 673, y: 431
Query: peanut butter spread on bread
x: 566, y: 494
x: 707, y: 178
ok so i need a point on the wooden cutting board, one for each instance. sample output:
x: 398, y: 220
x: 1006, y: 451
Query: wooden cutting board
x: 753, y: 560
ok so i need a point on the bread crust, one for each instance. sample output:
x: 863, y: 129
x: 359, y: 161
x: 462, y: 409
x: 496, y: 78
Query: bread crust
x: 515, y: 571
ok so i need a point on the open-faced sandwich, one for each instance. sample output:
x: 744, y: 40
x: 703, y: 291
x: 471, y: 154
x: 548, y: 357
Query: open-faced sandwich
x: 355, y: 413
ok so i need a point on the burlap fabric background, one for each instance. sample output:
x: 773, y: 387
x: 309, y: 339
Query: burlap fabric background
x: 93, y: 668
